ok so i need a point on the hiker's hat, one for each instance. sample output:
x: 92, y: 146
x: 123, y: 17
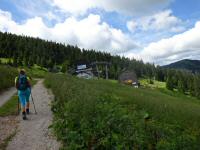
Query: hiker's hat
x: 22, y: 71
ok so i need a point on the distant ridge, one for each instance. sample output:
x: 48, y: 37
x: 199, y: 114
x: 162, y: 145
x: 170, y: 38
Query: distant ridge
x: 185, y: 64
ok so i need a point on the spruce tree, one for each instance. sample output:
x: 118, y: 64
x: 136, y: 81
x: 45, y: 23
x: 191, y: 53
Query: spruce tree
x: 181, y: 87
x: 197, y: 86
x: 169, y: 84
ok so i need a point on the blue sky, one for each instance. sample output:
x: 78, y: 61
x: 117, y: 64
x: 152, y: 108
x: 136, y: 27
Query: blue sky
x: 186, y: 9
x: 158, y: 31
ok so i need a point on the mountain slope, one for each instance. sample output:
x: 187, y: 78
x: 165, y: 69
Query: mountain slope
x: 186, y: 64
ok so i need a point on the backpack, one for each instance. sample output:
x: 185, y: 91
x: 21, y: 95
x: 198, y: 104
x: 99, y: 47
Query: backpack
x: 22, y: 82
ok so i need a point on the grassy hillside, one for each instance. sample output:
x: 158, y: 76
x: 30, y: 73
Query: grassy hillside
x: 99, y: 114
x: 156, y: 84
x: 36, y: 71
x: 7, y: 76
x: 5, y: 60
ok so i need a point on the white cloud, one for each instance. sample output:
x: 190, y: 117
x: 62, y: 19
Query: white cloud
x: 130, y: 7
x: 75, y: 7
x: 177, y: 29
x: 157, y: 22
x: 132, y: 25
x: 50, y: 16
x: 185, y: 45
x: 32, y: 27
x: 38, y: 8
x: 89, y: 33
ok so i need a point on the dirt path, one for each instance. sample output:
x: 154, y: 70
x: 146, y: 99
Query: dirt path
x: 33, y: 133
x: 5, y: 96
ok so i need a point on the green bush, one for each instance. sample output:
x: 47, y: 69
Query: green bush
x: 7, y: 77
x: 90, y: 114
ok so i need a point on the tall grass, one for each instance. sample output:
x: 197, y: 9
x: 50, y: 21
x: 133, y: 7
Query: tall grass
x: 10, y: 107
x: 7, y: 77
x: 99, y: 114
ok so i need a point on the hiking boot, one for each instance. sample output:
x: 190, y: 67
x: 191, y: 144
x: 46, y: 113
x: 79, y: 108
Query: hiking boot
x: 24, y: 116
x: 27, y: 111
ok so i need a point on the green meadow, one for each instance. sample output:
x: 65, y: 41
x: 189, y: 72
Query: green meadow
x: 101, y: 114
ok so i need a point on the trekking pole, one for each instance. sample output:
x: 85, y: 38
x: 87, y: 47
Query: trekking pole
x: 33, y: 103
x: 18, y: 104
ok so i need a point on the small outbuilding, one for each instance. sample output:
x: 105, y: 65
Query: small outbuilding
x: 129, y: 78
x: 83, y: 71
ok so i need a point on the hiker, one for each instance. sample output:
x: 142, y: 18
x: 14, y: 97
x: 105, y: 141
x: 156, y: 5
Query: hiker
x: 22, y: 83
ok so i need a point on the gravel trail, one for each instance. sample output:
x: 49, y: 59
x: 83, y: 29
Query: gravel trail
x: 33, y: 134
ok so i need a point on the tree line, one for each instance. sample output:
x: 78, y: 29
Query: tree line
x: 27, y: 51
x: 24, y: 50
x: 185, y: 82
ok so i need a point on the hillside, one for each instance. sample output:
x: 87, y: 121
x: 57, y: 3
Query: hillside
x: 27, y: 51
x: 186, y: 64
x: 100, y: 114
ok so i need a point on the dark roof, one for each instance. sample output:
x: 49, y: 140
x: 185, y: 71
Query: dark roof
x: 128, y: 75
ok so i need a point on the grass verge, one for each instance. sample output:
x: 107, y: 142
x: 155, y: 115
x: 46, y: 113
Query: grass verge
x: 10, y: 107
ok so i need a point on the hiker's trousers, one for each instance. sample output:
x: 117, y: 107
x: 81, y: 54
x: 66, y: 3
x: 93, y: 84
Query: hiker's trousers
x: 24, y: 96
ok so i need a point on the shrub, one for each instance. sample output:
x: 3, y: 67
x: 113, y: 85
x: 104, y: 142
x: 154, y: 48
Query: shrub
x: 7, y: 77
x: 87, y: 118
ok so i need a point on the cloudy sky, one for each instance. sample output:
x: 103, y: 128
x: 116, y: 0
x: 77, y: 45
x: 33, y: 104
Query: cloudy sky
x: 157, y: 31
